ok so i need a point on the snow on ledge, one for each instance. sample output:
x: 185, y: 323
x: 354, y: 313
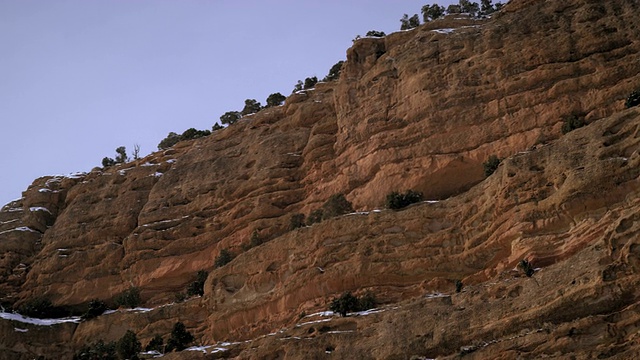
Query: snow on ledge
x: 34, y: 321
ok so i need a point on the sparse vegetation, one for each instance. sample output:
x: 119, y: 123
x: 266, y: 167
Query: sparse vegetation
x: 314, y: 217
x: 230, y: 117
x: 296, y: 221
x: 375, y: 33
x: 251, y: 106
x: 526, y: 267
x: 128, y: 346
x: 167, y: 142
x: 41, y: 307
x: 121, y: 157
x: 350, y: 303
x: 275, y: 99
x: 193, y: 133
x: 180, y: 338
x: 216, y: 127
x: 459, y: 286
x: 97, y: 351
x: 396, y: 200
x: 223, y: 258
x: 155, y: 344
x: 129, y: 298
x: 298, y: 86
x: 254, y: 240
x: 491, y: 165
x: 336, y: 205
x: 310, y: 82
x: 409, y: 22
x: 96, y: 308
x: 334, y: 72
x: 197, y: 286
x: 572, y: 122
x: 432, y: 12
x: 633, y: 99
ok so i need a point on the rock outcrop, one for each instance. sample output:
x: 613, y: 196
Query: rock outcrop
x: 419, y: 109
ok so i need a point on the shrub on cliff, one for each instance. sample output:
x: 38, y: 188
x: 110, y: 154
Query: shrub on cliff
x: 296, y: 221
x: 121, y: 156
x: 396, y: 200
x: 41, y: 307
x: 128, y: 346
x: 155, y: 344
x: 129, y: 298
x: 251, y: 106
x: 336, y: 205
x: 193, y: 133
x: 180, y: 338
x: 96, y: 308
x: 376, y: 33
x: 310, y: 82
x: 633, y: 99
x: 349, y: 303
x: 314, y: 217
x: 471, y: 8
x: 107, y: 161
x: 97, y: 351
x: 169, y: 141
x: 216, y: 127
x: 223, y: 258
x: 230, y: 117
x: 298, y: 86
x: 572, y: 122
x: 407, y: 22
x: 334, y: 72
x: 275, y: 99
x: 197, y: 287
x: 527, y: 268
x: 491, y: 165
x: 432, y: 12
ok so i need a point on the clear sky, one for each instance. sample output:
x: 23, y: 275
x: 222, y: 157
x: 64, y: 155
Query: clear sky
x: 79, y: 78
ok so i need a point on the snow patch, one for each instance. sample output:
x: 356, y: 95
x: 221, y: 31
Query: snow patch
x: 39, y: 208
x: 39, y: 322
x: 156, y: 174
x: 444, y: 31
x: 22, y: 228
x: 313, y: 322
x: 20, y: 330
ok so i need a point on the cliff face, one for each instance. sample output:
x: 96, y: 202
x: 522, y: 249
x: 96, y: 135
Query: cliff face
x: 421, y: 110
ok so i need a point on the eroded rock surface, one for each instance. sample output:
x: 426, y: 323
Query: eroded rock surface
x: 422, y: 110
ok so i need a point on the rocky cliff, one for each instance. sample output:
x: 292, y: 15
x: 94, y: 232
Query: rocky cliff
x: 419, y: 109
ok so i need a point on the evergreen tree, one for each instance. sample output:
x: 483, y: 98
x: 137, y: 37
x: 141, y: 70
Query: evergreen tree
x: 122, y: 155
x: 223, y: 258
x: 179, y: 338
x: 230, y: 117
x: 334, y: 72
x: 432, y: 12
x: 156, y: 344
x: 454, y: 9
x: 251, y: 106
x: 298, y: 86
x: 275, y: 99
x: 169, y: 141
x: 310, y: 82
x: 107, y: 161
x: 375, y: 33
x: 128, y: 346
x: 216, y: 127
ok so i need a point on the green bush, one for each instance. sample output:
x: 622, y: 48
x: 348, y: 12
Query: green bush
x: 310, y: 82
x: 298, y: 87
x: 197, y: 287
x: 334, y: 72
x: 97, y: 351
x: 223, y: 258
x: 275, y: 99
x: 230, y: 117
x: 336, y: 205
x: 193, y: 133
x: 572, y: 122
x: 375, y: 33
x: 180, y: 338
x: 314, y: 217
x: 96, y: 308
x: 251, y: 106
x: 459, y: 286
x: 409, y: 22
x: 527, y: 268
x: 396, y: 200
x: 129, y: 298
x: 128, y: 346
x: 432, y: 12
x: 454, y: 9
x: 156, y: 344
x: 349, y: 303
x: 491, y: 165
x: 121, y: 156
x: 254, y: 240
x: 169, y: 141
x: 296, y: 221
x: 471, y: 8
x: 217, y: 127
x: 41, y: 307
x: 633, y: 99
x: 107, y: 161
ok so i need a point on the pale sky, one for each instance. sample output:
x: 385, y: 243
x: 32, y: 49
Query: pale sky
x: 78, y: 78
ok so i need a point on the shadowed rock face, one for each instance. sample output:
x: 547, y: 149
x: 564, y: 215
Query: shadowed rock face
x: 419, y: 109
